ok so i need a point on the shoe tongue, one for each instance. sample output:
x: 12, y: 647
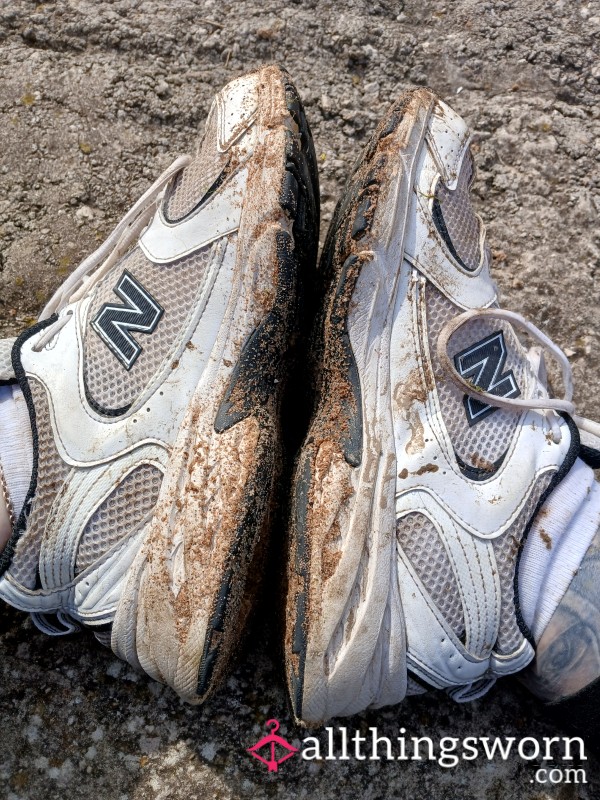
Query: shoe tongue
x: 195, y: 181
x: 7, y: 372
x: 486, y: 352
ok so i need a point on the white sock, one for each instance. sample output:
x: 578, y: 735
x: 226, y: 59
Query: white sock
x: 558, y: 540
x: 16, y: 445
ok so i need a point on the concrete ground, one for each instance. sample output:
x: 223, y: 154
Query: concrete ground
x: 96, y: 98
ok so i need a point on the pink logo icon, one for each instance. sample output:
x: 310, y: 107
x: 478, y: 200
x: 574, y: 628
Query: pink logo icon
x: 272, y: 741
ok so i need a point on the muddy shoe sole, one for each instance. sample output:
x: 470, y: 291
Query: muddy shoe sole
x: 341, y: 655
x: 192, y: 587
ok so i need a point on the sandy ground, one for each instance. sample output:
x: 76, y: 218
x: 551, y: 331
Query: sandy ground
x: 96, y: 98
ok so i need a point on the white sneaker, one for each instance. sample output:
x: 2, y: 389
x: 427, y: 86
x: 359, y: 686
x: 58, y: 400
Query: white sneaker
x: 153, y: 383
x: 432, y: 445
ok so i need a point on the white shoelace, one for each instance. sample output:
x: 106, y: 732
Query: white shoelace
x: 543, y: 401
x: 96, y: 265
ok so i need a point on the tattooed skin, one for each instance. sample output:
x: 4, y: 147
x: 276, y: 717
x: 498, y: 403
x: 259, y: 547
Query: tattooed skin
x: 568, y: 653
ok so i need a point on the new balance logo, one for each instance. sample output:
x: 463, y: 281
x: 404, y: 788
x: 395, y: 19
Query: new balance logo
x: 115, y: 323
x: 482, y: 365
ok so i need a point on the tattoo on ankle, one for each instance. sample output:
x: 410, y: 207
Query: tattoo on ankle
x: 568, y: 652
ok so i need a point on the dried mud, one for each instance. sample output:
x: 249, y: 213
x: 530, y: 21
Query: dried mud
x: 96, y: 98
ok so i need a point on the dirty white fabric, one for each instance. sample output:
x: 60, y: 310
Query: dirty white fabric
x: 556, y: 545
x: 16, y: 447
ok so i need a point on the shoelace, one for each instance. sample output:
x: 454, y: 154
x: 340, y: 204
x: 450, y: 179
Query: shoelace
x: 543, y: 401
x: 96, y: 265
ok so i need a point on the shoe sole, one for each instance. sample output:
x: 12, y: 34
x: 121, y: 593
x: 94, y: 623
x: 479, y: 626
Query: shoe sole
x: 226, y: 460
x: 345, y: 479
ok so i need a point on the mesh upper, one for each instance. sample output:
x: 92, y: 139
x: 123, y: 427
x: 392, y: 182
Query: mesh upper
x: 484, y: 443
x: 175, y: 287
x: 52, y: 472
x: 419, y: 539
x: 6, y: 367
x: 130, y: 505
x: 461, y: 222
x: 193, y: 182
x: 422, y: 544
x: 505, y: 551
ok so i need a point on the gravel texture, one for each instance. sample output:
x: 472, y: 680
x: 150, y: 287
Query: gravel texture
x: 96, y: 98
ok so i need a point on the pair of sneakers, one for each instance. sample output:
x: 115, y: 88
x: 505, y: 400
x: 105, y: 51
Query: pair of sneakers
x: 154, y: 382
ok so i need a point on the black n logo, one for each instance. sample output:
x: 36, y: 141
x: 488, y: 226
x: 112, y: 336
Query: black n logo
x: 114, y: 323
x: 482, y: 365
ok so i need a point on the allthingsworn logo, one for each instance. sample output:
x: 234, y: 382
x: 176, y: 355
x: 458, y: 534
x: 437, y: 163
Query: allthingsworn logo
x: 555, y: 759
x: 115, y: 323
x: 272, y: 750
x: 482, y: 364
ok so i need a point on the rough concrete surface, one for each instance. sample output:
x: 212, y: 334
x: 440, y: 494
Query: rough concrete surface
x: 96, y: 98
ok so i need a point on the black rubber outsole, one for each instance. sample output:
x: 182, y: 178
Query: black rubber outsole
x: 338, y: 406
x: 337, y: 380
x: 259, y: 380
